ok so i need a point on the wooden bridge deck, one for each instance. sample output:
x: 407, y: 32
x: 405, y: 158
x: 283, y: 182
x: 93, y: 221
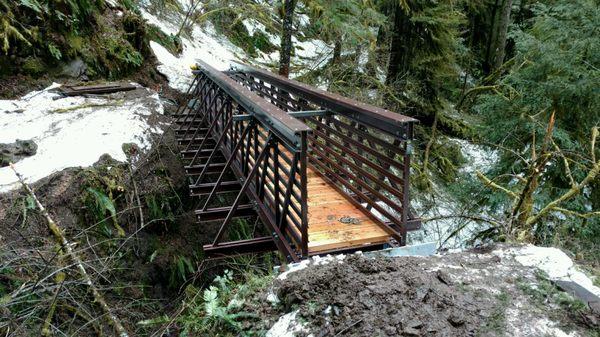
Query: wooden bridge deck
x: 335, y: 222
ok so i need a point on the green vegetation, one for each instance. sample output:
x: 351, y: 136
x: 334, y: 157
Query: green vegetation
x: 544, y: 110
x: 172, y: 43
x: 227, y: 17
x: 546, y: 294
x: 102, y: 188
x: 496, y: 322
x: 40, y: 35
x: 218, y: 310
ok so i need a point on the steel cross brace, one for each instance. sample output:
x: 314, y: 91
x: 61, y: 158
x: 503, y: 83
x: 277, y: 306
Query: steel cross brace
x: 253, y: 172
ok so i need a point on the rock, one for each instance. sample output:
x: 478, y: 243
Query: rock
x: 456, y: 320
x: 411, y: 332
x: 390, y: 330
x: 414, y: 323
x: 13, y: 152
x: 443, y: 277
x: 74, y: 69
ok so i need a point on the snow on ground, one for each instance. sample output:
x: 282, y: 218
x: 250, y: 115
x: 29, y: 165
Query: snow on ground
x: 313, y: 261
x: 287, y: 326
x: 445, y: 206
x: 206, y: 45
x: 73, y: 131
x: 552, y: 261
x: 479, y: 157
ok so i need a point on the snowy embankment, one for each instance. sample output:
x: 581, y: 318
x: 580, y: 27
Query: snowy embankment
x: 448, y: 228
x: 74, y: 131
x: 203, y: 43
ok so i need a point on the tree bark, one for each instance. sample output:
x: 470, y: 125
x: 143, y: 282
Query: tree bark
x: 498, y: 37
x: 337, y: 52
x: 285, y: 54
x: 399, y: 46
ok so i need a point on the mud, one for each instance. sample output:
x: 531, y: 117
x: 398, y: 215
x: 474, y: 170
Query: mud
x: 464, y: 294
x: 382, y: 297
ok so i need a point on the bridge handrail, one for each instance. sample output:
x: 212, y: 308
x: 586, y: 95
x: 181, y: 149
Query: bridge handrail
x: 364, y: 152
x: 386, y: 120
x: 287, y: 126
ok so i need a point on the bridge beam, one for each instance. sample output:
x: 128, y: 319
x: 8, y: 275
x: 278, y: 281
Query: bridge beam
x: 296, y: 114
x: 257, y: 245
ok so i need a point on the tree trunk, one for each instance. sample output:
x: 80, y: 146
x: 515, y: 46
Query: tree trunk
x: 337, y: 52
x: 286, y: 37
x: 497, y: 43
x: 399, y: 46
x: 374, y: 54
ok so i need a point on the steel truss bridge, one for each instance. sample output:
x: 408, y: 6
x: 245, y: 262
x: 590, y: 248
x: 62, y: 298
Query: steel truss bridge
x: 323, y: 173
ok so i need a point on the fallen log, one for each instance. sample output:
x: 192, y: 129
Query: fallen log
x: 60, y: 237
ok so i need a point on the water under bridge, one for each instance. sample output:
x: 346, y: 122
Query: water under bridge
x: 321, y: 172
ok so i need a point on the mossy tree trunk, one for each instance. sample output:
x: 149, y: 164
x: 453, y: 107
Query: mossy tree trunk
x: 400, y: 45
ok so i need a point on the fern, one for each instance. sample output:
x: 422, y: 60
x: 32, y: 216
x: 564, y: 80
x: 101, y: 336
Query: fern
x: 54, y: 51
x: 104, y: 204
x: 32, y: 4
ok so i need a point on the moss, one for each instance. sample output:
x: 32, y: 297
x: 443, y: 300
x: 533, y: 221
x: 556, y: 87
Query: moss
x: 112, y: 46
x: 135, y: 31
x: 76, y: 45
x: 496, y: 322
x: 33, y: 66
x: 171, y: 42
x: 109, y: 53
x: 229, y: 24
x: 261, y: 42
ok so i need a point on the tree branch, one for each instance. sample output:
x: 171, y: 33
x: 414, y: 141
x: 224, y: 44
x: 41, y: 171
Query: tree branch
x: 568, y: 195
x: 493, y: 185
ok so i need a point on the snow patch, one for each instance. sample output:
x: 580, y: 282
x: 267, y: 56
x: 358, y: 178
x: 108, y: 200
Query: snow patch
x: 552, y: 261
x: 479, y: 157
x: 540, y: 327
x: 73, y: 131
x: 287, y: 326
x: 204, y: 44
x: 314, y: 261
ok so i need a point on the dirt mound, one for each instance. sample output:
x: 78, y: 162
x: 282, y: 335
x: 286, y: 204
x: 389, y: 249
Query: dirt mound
x: 383, y: 297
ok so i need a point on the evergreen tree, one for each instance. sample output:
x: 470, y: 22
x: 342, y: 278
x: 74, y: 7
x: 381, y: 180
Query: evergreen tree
x: 554, y: 80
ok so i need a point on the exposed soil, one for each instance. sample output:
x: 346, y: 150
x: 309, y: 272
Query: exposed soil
x: 466, y: 294
x: 15, y: 86
x: 370, y: 297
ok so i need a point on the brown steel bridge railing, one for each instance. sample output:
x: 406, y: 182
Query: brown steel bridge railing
x: 253, y: 135
x: 361, y: 149
x: 264, y: 147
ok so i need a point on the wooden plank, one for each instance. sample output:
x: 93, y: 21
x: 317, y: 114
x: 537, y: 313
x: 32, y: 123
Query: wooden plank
x: 326, y: 207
